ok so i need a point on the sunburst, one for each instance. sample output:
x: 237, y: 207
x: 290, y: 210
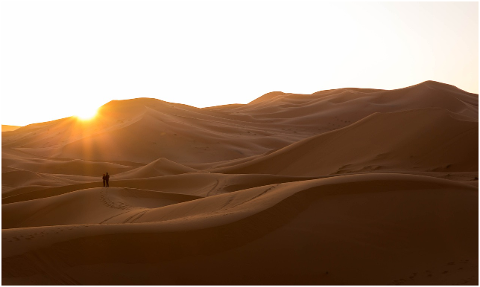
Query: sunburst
x: 87, y: 114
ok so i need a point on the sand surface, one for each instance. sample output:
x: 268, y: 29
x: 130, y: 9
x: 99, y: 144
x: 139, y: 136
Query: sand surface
x: 339, y: 187
x: 7, y: 128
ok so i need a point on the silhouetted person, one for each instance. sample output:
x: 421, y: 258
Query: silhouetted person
x: 104, y: 179
x: 107, y: 177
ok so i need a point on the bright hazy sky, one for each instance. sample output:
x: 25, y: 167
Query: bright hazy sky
x: 60, y: 58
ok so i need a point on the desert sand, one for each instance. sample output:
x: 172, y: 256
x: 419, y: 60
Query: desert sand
x: 340, y: 187
x: 7, y: 128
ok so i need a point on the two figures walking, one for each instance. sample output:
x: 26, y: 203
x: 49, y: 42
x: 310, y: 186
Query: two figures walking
x: 106, y: 177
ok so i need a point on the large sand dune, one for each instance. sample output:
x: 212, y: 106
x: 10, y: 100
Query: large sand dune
x: 348, y: 186
x: 435, y: 140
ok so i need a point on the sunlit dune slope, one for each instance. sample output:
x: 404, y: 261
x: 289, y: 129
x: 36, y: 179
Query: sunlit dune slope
x: 7, y: 128
x: 417, y: 140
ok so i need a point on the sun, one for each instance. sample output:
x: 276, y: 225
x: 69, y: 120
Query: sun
x: 86, y: 114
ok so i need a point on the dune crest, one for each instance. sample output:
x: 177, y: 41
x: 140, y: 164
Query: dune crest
x: 161, y: 166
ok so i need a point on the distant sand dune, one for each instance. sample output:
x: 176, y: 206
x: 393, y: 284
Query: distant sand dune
x: 157, y: 167
x: 7, y: 128
x: 380, y: 141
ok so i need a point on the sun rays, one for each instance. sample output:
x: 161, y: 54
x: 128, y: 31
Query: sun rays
x: 86, y: 114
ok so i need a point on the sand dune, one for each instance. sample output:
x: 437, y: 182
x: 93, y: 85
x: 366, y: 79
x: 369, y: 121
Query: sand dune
x: 157, y: 167
x: 18, y: 178
x: 189, y: 135
x: 183, y: 138
x: 113, y: 205
x: 329, y: 110
x: 252, y: 227
x: 7, y: 128
x: 74, y: 166
x: 197, y: 184
x: 378, y: 142
x: 340, y: 187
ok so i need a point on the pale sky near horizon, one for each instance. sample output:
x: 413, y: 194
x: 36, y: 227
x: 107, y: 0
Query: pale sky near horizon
x: 59, y: 58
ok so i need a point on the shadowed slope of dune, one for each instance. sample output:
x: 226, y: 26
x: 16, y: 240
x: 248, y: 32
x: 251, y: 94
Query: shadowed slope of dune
x: 112, y: 205
x: 417, y: 140
x: 161, y: 166
x: 256, y: 225
x: 15, y: 178
x: 74, y: 166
